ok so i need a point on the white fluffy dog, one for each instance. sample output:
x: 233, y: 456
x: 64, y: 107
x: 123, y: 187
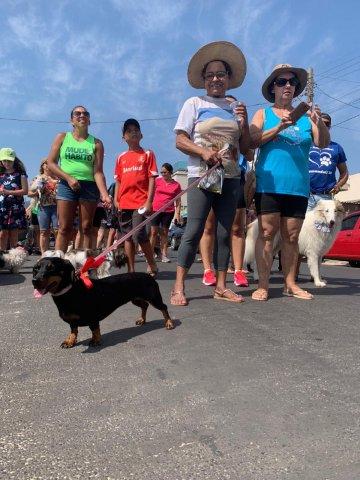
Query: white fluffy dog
x: 13, y: 259
x: 317, y: 234
x: 78, y: 257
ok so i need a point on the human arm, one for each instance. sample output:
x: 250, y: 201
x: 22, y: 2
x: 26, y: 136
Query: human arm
x: 343, y: 178
x: 259, y: 136
x: 177, y: 215
x: 99, y: 173
x: 116, y: 204
x: 320, y: 132
x: 186, y: 145
x: 150, y: 197
x: 240, y: 112
x: 18, y: 193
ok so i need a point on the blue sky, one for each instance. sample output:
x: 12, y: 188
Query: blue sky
x: 123, y: 58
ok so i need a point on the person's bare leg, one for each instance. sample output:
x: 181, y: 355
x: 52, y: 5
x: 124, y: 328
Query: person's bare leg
x: 178, y: 297
x: 149, y: 255
x: 44, y: 240
x: 269, y: 224
x: 13, y: 238
x: 290, y: 230
x: 66, y: 214
x: 111, y: 237
x: 154, y: 231
x: 4, y: 237
x: 238, y: 239
x: 129, y: 248
x: 207, y: 241
x: 87, y: 212
x: 164, y: 241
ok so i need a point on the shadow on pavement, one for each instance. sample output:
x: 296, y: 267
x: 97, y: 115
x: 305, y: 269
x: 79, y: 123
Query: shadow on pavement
x: 122, y: 335
x: 7, y: 278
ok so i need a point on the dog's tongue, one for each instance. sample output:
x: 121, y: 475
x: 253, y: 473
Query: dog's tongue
x: 37, y: 294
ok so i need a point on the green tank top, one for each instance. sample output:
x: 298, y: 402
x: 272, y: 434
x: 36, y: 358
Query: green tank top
x: 77, y: 158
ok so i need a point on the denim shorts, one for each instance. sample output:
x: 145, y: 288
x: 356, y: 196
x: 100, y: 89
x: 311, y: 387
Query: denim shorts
x: 47, y: 216
x: 88, y: 192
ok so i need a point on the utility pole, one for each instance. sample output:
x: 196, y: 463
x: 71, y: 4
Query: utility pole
x: 310, y: 86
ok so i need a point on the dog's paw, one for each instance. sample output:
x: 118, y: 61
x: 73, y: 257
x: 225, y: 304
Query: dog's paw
x: 67, y: 344
x: 140, y: 322
x: 169, y: 324
x: 70, y: 341
x: 320, y: 283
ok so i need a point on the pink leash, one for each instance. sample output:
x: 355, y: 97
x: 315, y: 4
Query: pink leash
x: 97, y: 261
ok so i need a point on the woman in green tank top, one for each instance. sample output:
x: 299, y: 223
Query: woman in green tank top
x: 77, y: 159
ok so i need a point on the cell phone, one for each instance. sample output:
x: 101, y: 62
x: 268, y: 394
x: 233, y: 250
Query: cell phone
x: 299, y: 111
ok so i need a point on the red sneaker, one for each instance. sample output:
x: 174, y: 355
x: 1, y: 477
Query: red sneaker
x: 240, y: 279
x: 209, y: 278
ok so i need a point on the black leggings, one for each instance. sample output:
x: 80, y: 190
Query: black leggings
x: 199, y: 205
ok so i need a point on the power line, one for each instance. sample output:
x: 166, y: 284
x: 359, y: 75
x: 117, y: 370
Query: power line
x: 346, y: 120
x: 337, y: 99
x: 331, y: 70
x: 12, y: 119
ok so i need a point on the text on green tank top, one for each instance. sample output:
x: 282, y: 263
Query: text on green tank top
x: 77, y: 158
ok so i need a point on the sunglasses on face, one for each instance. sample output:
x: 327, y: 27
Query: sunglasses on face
x: 211, y: 75
x: 79, y: 114
x: 281, y: 82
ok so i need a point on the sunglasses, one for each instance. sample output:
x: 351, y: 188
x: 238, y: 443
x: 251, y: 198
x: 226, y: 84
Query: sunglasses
x: 79, y: 114
x: 211, y: 75
x: 281, y: 82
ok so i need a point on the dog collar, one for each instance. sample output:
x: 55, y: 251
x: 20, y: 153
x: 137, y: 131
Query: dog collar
x: 62, y: 292
x: 322, y: 226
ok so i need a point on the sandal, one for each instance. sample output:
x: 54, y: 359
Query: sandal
x: 260, y: 294
x: 229, y: 296
x: 181, y: 297
x: 298, y: 293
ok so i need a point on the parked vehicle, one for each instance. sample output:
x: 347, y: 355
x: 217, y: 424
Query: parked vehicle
x: 347, y: 241
x: 176, y: 231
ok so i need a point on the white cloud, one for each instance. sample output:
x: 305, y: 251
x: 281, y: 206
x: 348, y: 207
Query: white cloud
x: 152, y: 15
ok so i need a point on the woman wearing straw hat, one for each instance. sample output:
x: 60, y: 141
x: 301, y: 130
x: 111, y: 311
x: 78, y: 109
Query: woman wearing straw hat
x: 282, y: 174
x: 208, y: 132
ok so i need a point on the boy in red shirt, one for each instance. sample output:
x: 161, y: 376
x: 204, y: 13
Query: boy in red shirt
x: 135, y: 173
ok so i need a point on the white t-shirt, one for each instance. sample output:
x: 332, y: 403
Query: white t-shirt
x: 210, y: 123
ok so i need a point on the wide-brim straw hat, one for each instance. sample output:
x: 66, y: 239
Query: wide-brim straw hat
x: 221, y: 51
x: 300, y: 73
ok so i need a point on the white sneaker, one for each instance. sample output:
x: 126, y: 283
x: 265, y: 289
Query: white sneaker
x: 165, y: 259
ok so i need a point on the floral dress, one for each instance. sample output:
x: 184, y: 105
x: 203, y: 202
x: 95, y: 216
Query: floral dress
x: 12, y: 209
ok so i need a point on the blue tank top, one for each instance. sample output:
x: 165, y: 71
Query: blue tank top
x: 282, y: 165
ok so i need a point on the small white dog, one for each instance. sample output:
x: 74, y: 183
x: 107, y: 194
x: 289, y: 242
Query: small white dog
x: 13, y: 259
x: 78, y: 257
x: 317, y: 234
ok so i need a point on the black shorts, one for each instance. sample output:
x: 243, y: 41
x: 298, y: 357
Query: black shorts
x: 241, y: 201
x: 162, y: 220
x: 34, y: 220
x: 128, y: 219
x: 292, y: 206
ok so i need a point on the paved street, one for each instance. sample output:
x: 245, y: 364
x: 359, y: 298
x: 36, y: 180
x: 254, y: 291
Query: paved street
x: 254, y: 391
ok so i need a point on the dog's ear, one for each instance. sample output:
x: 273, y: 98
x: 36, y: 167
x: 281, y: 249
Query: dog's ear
x: 68, y: 268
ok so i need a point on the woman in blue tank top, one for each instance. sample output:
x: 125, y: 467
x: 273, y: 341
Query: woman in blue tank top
x: 282, y: 175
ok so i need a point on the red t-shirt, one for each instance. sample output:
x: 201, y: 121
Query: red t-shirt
x: 165, y: 191
x: 132, y: 171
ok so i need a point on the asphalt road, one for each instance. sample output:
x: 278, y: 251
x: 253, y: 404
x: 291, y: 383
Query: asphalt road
x: 253, y: 391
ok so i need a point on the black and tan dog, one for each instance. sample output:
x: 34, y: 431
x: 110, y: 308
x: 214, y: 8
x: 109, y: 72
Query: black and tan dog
x: 80, y: 306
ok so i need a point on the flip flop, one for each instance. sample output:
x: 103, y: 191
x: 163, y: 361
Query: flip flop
x: 300, y: 293
x: 183, y: 303
x: 260, y: 295
x: 152, y: 273
x: 233, y: 297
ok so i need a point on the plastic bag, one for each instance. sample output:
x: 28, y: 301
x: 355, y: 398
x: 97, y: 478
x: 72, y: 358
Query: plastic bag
x: 213, y: 182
